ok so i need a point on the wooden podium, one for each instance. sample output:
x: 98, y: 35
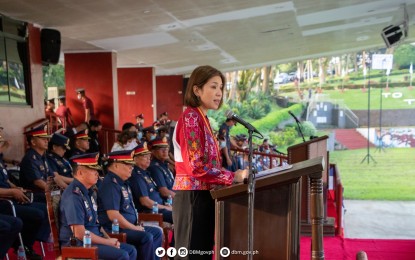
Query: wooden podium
x: 300, y: 152
x: 276, y: 214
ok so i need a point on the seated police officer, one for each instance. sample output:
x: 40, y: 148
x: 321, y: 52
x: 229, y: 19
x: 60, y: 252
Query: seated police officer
x: 58, y: 145
x: 115, y: 202
x: 9, y: 230
x: 159, y: 168
x: 33, y: 215
x: 34, y: 168
x: 79, y: 144
x: 78, y: 211
x: 143, y: 187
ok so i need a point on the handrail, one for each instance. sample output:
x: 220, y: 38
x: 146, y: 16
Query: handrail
x: 54, y: 123
x: 352, y: 116
x: 107, y: 137
x: 271, y: 157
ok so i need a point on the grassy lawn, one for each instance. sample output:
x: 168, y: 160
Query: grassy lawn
x: 392, y: 178
x: 356, y: 99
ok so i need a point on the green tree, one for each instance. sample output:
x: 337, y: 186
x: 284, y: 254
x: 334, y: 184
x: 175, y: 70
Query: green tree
x: 54, y: 76
x: 403, y: 56
x: 247, y: 80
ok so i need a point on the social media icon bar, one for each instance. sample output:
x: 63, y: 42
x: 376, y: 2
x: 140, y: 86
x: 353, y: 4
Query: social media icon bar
x: 224, y: 252
x: 160, y: 251
x: 171, y: 252
x: 182, y: 252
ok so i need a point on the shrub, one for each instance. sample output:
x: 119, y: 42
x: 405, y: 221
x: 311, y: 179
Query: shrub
x: 270, y: 121
x: 308, y: 128
x: 284, y: 138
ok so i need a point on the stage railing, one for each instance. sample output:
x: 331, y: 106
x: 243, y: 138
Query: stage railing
x: 107, y: 137
x: 54, y: 123
x: 262, y: 161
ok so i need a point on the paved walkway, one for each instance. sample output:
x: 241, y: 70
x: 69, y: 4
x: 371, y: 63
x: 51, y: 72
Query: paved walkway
x: 379, y: 219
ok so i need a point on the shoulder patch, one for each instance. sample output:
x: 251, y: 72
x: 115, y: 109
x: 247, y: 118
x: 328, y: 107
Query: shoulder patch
x: 77, y: 190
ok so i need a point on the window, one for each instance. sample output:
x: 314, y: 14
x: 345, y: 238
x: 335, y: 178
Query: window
x: 14, y: 66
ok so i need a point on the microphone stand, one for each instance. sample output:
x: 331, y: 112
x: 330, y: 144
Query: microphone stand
x: 251, y: 197
x: 299, y: 126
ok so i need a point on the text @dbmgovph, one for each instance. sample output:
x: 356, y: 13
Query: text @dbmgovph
x: 200, y: 252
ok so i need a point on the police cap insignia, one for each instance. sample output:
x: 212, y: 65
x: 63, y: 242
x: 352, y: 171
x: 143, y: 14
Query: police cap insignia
x: 158, y: 143
x: 89, y: 160
x: 40, y: 131
x: 124, y: 156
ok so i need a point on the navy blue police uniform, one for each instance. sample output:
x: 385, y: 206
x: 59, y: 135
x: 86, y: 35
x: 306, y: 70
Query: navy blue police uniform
x: 78, y: 207
x: 9, y: 229
x: 143, y: 185
x: 59, y: 164
x: 34, y: 215
x: 161, y: 174
x: 76, y: 152
x: 34, y: 166
x: 115, y: 194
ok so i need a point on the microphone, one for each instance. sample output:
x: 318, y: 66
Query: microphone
x: 298, y: 124
x: 231, y: 115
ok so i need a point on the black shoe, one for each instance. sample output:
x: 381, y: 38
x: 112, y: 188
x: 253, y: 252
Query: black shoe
x: 30, y: 254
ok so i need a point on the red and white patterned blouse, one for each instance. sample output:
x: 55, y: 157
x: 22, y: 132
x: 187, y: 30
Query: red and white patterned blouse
x: 197, y: 155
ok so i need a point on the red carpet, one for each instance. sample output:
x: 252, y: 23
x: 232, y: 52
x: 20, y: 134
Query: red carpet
x: 339, y: 248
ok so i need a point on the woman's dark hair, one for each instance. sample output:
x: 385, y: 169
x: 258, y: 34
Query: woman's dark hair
x: 127, y: 126
x: 199, y: 77
x: 123, y: 137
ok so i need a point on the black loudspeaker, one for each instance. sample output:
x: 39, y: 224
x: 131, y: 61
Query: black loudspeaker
x: 392, y: 35
x: 50, y: 42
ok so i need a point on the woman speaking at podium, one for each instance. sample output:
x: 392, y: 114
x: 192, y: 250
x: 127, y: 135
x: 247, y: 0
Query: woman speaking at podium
x: 198, y: 164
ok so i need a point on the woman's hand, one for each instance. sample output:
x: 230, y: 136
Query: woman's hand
x: 240, y: 175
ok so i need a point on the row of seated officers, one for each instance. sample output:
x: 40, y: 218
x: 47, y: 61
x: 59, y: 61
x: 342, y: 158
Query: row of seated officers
x: 90, y: 199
